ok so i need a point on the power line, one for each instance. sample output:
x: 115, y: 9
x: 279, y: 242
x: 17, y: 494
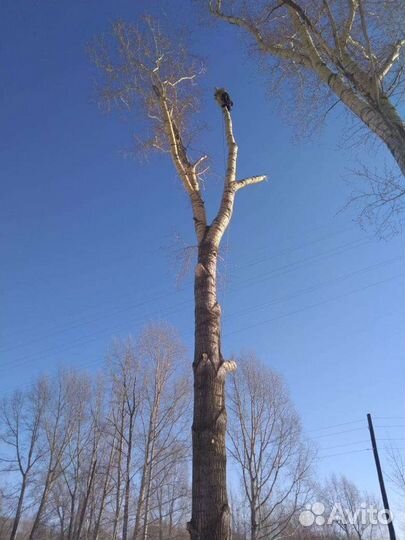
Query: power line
x: 345, y: 453
x: 339, y: 433
x: 317, y: 304
x: 263, y: 277
x: 394, y: 426
x: 24, y: 359
x: 363, y: 441
x: 332, y: 426
x: 389, y: 417
x: 312, y: 288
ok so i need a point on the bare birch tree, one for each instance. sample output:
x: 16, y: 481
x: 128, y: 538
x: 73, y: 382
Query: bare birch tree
x: 352, y: 50
x: 144, y: 68
x: 267, y: 445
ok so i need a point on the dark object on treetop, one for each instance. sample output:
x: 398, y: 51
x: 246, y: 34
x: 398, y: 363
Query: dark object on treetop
x: 223, y: 98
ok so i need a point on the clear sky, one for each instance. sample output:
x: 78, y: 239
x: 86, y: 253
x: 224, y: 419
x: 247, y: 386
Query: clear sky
x: 89, y: 237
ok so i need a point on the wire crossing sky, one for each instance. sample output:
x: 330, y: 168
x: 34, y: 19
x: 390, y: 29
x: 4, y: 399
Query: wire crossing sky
x: 313, y: 295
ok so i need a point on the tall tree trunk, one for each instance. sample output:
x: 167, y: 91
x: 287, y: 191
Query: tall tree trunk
x: 18, y: 511
x: 149, y: 482
x: 85, y: 502
x: 117, y: 510
x: 127, y: 488
x: 254, y: 525
x: 41, y: 507
x: 144, y: 491
x: 254, y: 528
x: 72, y: 516
x: 210, y: 510
x: 140, y: 505
x: 106, y: 486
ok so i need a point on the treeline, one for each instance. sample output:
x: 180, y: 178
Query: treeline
x: 108, y: 457
x: 105, y: 458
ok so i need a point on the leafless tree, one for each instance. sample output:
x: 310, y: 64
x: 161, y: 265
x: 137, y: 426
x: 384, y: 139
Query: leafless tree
x: 127, y: 394
x: 396, y: 472
x: 164, y: 415
x: 349, y: 50
x: 104, y: 485
x: 73, y: 490
x: 143, y: 67
x: 82, y: 450
x: 240, y: 515
x: 56, y: 434
x: 267, y: 445
x: 346, y: 504
x: 22, y: 416
x: 170, y: 497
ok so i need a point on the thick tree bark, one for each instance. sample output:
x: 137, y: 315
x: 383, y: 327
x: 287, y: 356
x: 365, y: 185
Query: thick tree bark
x: 210, y: 510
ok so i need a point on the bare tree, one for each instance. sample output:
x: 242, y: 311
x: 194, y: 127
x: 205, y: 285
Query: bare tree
x: 83, y: 450
x: 267, y: 446
x: 396, y: 472
x: 346, y: 507
x: 170, y: 496
x: 104, y: 481
x: 56, y: 434
x: 127, y: 393
x: 352, y: 50
x: 164, y: 414
x: 144, y: 68
x: 22, y: 416
x: 70, y: 491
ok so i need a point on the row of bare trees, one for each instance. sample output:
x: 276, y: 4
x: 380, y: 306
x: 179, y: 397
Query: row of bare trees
x: 109, y: 457
x: 105, y: 458
x: 336, y: 509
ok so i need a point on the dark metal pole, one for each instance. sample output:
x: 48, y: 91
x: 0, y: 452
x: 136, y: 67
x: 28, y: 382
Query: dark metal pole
x: 381, y: 479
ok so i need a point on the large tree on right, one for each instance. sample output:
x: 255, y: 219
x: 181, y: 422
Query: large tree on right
x: 354, y: 49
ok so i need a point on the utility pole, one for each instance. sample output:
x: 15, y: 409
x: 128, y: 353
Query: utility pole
x: 381, y: 479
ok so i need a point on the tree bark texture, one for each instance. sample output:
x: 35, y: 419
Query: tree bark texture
x: 210, y: 511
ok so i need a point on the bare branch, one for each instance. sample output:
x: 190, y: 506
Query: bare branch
x: 250, y: 181
x: 392, y: 58
x: 347, y: 27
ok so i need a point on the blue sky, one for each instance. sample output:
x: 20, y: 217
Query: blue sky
x: 89, y: 237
